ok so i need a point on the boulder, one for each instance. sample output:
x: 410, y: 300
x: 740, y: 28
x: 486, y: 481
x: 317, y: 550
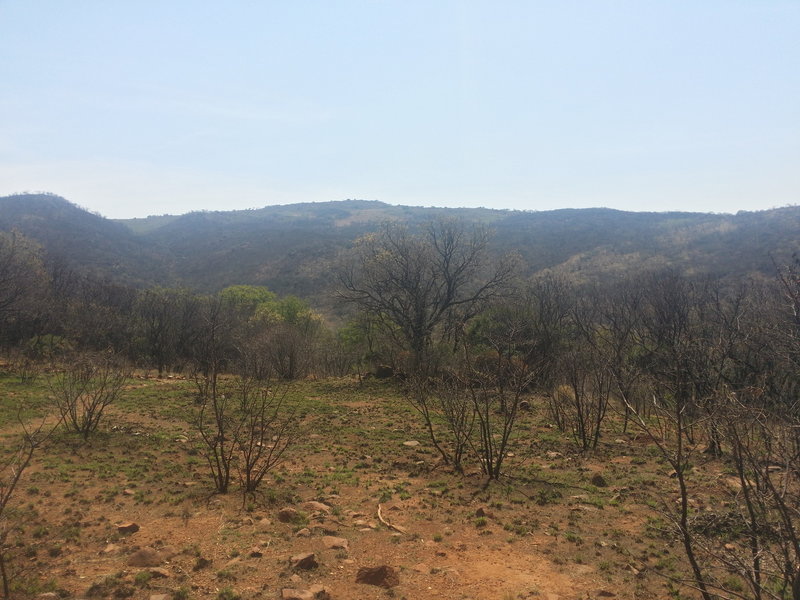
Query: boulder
x: 129, y: 527
x: 304, y: 561
x: 383, y: 576
x: 288, y: 515
x: 335, y: 543
x: 146, y: 557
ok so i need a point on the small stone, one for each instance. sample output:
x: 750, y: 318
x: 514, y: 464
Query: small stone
x: 110, y: 549
x: 146, y: 557
x: 411, y: 443
x: 335, y: 543
x: 484, y: 512
x: 304, y: 532
x: 159, y: 573
x: 255, y: 552
x: 304, y: 561
x: 598, y: 480
x: 383, y: 576
x: 314, y: 506
x: 288, y: 515
x: 315, y: 592
x: 127, y: 527
x: 553, y: 455
x: 128, y: 492
x: 159, y: 597
x: 524, y: 405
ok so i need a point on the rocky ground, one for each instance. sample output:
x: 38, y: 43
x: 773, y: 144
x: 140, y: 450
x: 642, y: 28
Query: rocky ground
x: 361, y: 509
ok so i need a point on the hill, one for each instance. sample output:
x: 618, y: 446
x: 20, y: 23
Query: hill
x: 292, y: 248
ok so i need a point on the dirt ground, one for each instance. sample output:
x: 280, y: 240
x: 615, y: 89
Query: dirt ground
x: 550, y: 530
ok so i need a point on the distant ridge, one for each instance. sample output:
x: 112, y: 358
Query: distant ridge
x: 292, y: 248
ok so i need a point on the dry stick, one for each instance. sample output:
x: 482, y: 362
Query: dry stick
x: 389, y: 525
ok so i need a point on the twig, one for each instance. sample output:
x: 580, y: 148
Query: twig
x: 389, y: 525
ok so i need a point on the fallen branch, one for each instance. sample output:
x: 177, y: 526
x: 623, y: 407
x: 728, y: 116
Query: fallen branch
x: 387, y: 524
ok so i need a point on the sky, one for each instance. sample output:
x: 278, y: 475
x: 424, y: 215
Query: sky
x: 163, y: 107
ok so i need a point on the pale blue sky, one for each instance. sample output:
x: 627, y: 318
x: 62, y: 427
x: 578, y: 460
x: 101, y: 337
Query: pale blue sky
x: 132, y: 108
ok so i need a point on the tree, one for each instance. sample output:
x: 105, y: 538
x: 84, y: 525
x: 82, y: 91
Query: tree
x: 422, y: 283
x: 22, y: 280
x: 85, y: 388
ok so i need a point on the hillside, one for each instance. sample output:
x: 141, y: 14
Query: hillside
x: 292, y: 248
x: 82, y: 240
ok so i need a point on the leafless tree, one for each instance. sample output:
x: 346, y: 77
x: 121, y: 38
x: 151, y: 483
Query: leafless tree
x: 268, y: 430
x: 12, y: 468
x: 85, y: 387
x: 423, y: 283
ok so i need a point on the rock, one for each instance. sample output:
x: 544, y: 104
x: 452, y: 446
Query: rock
x: 315, y: 592
x: 421, y: 568
x: 255, y: 552
x: 484, y: 512
x: 383, y: 576
x: 553, y: 455
x: 598, y: 480
x: 47, y: 596
x: 411, y: 443
x: 524, y: 405
x: 146, y: 557
x: 288, y: 515
x: 159, y: 597
x: 110, y: 549
x: 127, y: 527
x: 128, y: 492
x: 605, y: 594
x: 159, y: 573
x: 335, y: 543
x: 315, y: 506
x: 383, y: 372
x: 201, y: 563
x: 304, y: 561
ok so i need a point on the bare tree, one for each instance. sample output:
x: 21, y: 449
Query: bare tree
x: 12, y: 468
x: 421, y: 283
x: 84, y: 388
x: 268, y: 430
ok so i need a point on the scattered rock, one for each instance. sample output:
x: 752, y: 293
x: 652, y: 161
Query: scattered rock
x: 255, y: 552
x: 304, y: 561
x: 201, y: 563
x: 110, y: 549
x: 127, y: 527
x: 411, y: 443
x: 383, y: 576
x: 304, y: 532
x: 159, y: 597
x: 598, y: 480
x: 146, y: 557
x: 128, y: 492
x: 335, y: 543
x: 47, y: 596
x: 552, y: 455
x: 159, y: 573
x: 314, y: 506
x: 315, y: 592
x: 288, y: 515
x: 484, y: 512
